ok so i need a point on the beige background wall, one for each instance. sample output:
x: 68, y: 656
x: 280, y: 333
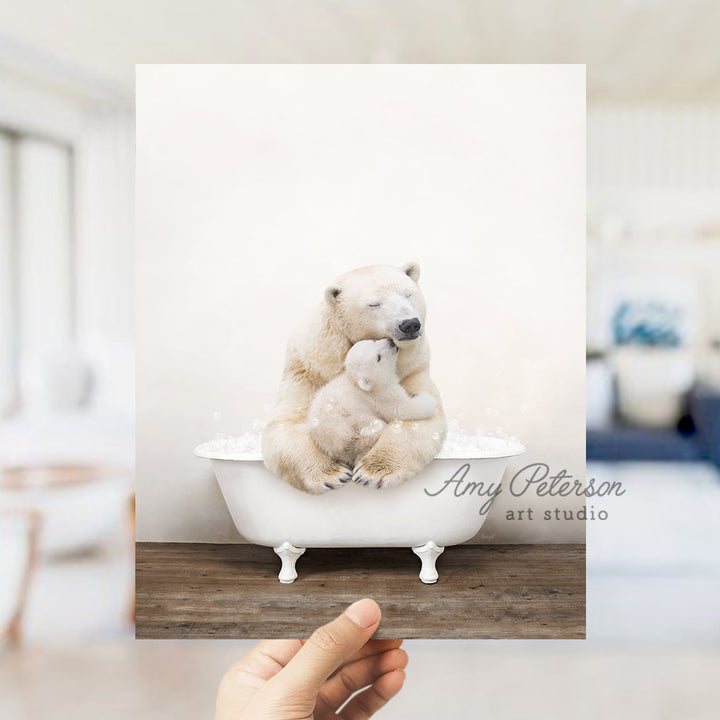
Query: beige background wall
x: 257, y: 185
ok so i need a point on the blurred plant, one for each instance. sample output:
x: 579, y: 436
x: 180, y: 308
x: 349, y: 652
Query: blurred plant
x: 652, y: 323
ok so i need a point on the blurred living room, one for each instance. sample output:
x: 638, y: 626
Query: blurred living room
x: 67, y: 643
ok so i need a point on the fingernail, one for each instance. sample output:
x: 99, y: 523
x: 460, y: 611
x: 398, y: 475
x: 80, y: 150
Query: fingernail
x: 364, y: 612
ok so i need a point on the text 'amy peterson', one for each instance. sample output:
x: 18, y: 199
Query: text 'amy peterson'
x: 534, y: 477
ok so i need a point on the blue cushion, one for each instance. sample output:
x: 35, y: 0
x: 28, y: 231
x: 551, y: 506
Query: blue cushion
x: 625, y: 444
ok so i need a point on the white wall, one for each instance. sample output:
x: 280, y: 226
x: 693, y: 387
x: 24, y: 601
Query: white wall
x: 257, y: 185
x: 105, y: 164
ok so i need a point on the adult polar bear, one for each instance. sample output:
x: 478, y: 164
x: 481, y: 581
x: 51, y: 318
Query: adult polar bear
x: 370, y: 303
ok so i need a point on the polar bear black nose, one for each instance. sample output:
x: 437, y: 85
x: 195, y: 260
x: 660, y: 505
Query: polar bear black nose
x: 410, y: 327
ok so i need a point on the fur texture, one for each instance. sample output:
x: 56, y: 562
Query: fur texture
x: 349, y: 413
x: 370, y: 303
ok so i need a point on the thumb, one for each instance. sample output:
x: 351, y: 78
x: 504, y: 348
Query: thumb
x: 328, y: 648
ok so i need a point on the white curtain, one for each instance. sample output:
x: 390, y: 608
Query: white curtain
x: 8, y: 347
x: 45, y: 255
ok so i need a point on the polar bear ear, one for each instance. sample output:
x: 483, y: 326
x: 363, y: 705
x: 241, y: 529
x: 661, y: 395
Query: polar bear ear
x: 331, y: 294
x: 412, y: 270
x: 364, y: 383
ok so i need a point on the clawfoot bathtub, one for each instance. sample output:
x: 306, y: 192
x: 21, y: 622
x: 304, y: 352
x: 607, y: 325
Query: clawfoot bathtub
x: 445, y: 504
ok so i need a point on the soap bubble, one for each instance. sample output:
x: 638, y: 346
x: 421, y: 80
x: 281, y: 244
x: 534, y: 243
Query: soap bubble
x: 332, y: 399
x: 249, y: 443
x: 328, y: 408
x: 459, y: 440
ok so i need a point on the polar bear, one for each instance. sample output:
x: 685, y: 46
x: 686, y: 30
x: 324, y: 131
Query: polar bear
x: 349, y: 412
x: 370, y: 303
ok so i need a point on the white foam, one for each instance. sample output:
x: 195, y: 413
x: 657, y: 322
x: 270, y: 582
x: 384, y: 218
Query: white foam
x: 249, y: 443
x: 458, y: 443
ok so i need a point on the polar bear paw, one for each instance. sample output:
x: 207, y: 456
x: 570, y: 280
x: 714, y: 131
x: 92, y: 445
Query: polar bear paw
x: 423, y: 404
x: 329, y: 478
x: 363, y: 476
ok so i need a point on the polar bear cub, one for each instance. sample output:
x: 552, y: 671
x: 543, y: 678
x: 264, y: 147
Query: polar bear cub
x: 348, y: 414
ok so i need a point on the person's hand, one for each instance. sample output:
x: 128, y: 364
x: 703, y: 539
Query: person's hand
x: 313, y: 679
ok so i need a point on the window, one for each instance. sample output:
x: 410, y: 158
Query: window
x: 37, y: 265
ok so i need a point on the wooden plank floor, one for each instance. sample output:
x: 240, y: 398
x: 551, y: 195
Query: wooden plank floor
x: 191, y: 590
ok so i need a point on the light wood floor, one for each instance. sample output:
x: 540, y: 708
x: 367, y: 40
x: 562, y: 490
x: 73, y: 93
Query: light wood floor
x: 191, y: 590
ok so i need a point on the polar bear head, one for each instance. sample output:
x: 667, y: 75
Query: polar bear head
x: 379, y: 301
x: 372, y: 363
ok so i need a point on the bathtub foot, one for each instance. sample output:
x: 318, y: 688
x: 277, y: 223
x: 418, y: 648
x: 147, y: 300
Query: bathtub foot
x: 428, y: 554
x: 289, y: 554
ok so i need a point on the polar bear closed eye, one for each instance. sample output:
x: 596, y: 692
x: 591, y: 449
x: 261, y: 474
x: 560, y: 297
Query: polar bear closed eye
x: 348, y: 414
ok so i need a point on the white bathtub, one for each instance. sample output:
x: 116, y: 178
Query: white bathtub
x: 427, y: 513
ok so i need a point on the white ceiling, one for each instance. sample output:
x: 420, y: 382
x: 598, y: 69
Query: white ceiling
x: 636, y: 50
